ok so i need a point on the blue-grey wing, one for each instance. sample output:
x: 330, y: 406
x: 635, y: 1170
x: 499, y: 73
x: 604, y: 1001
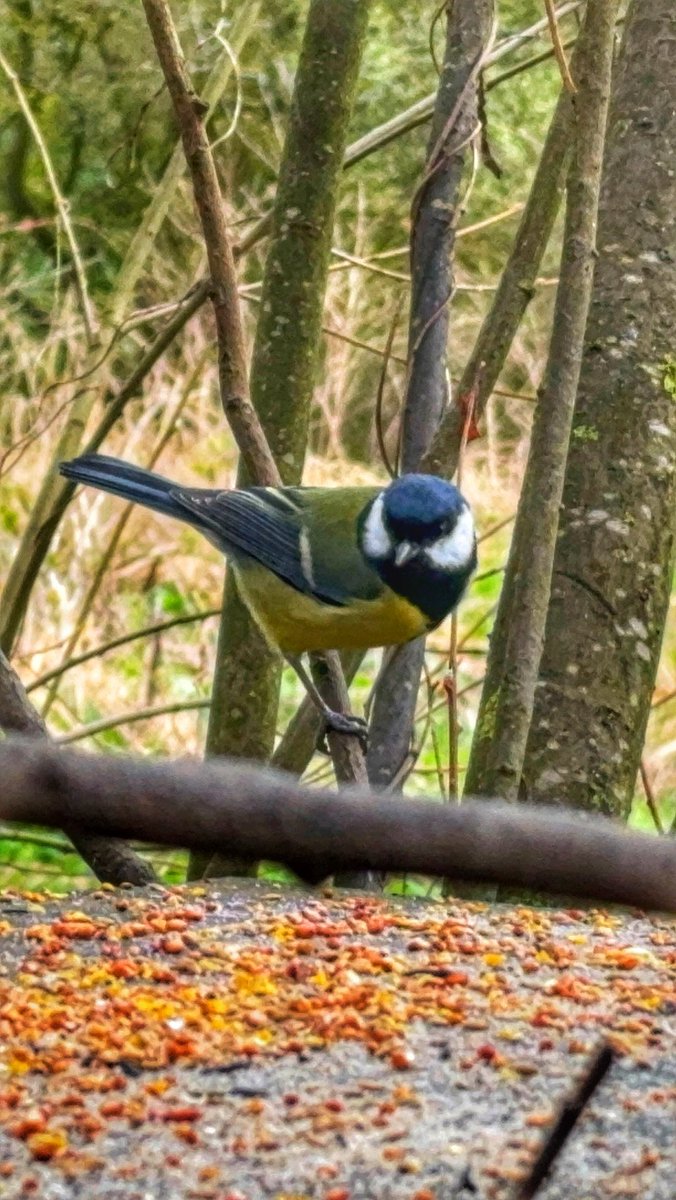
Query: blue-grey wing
x: 265, y: 524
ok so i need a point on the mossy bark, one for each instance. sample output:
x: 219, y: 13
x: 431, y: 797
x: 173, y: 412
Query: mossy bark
x: 614, y: 558
x: 286, y: 351
x: 507, y: 699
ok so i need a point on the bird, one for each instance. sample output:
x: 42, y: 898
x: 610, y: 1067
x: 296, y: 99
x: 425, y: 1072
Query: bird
x: 344, y: 568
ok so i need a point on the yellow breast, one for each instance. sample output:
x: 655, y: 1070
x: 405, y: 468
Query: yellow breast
x: 296, y: 623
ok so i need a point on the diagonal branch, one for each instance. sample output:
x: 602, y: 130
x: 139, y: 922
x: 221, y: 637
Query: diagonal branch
x: 88, y: 312
x: 233, y: 375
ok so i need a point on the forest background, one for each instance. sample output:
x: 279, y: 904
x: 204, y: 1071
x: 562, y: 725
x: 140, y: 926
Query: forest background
x: 90, y: 80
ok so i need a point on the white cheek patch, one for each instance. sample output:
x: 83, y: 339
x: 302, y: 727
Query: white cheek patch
x: 454, y: 550
x: 376, y: 541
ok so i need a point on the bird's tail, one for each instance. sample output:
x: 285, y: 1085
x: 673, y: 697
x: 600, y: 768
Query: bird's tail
x: 125, y: 480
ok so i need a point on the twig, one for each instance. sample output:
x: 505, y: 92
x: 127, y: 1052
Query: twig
x: 650, y: 798
x: 571, y: 1111
x: 122, y: 640
x: 664, y: 699
x: 367, y: 264
x: 378, y: 417
x: 88, y: 313
x: 559, y: 51
x: 233, y: 375
x: 451, y: 677
x: 128, y: 718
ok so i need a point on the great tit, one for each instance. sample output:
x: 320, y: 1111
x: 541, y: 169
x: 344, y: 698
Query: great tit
x: 322, y: 568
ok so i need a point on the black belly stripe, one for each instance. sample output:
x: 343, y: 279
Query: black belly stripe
x: 435, y: 593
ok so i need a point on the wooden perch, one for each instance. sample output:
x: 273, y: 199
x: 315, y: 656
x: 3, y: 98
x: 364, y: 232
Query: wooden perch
x: 259, y: 813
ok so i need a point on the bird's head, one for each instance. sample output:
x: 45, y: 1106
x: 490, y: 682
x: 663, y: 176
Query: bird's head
x: 422, y: 519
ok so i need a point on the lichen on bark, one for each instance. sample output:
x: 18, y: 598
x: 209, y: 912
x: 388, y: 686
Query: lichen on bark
x: 614, y: 558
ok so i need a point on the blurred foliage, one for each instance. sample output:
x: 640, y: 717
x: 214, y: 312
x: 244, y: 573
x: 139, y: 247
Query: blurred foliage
x: 94, y: 88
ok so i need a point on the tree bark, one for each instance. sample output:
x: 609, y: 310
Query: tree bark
x: 109, y: 859
x: 508, y: 693
x: 614, y: 558
x: 515, y: 291
x: 286, y: 350
x: 434, y: 217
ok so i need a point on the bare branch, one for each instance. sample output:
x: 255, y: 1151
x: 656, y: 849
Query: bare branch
x: 571, y: 1110
x: 559, y: 51
x: 434, y: 219
x: 88, y: 312
x: 233, y: 376
x: 122, y: 640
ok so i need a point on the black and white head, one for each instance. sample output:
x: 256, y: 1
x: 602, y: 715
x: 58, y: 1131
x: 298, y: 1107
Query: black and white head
x: 419, y: 535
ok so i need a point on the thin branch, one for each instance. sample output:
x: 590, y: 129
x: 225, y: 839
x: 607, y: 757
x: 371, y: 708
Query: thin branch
x: 88, y: 313
x: 165, y: 188
x: 378, y: 416
x: 129, y: 718
x: 571, y: 1110
x: 451, y: 677
x: 559, y: 51
x: 123, y: 640
x: 233, y: 375
x: 650, y: 798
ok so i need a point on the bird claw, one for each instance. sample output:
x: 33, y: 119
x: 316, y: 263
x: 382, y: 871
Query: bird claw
x: 348, y: 725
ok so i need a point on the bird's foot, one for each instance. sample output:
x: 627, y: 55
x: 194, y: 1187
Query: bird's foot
x: 346, y: 724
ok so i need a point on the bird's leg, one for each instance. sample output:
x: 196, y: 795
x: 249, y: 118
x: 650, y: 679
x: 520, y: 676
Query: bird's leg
x: 338, y: 722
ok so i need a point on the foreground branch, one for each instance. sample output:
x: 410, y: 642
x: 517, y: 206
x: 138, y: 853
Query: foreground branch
x: 259, y: 813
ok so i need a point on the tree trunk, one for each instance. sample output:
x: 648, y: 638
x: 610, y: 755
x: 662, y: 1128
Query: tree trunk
x: 288, y: 336
x: 434, y: 219
x: 612, y: 571
x: 507, y: 699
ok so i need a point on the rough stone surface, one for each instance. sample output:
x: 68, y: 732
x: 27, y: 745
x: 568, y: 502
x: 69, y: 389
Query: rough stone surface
x: 255, y: 1042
